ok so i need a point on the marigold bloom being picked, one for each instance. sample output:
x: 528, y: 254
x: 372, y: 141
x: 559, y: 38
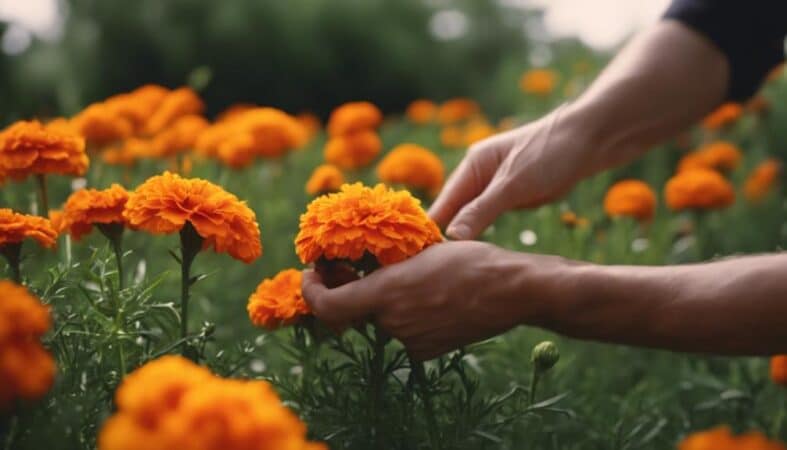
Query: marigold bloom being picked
x: 164, y: 203
x: 721, y: 438
x: 88, y: 207
x: 762, y: 180
x: 632, y: 198
x: 719, y: 155
x: 30, y: 148
x: 358, y: 220
x: 278, y: 301
x: 421, y: 111
x: 353, y: 117
x: 456, y: 110
x: 538, y: 81
x: 172, y: 403
x: 27, y: 370
x: 699, y: 189
x: 722, y: 116
x: 353, y: 151
x: 325, y: 178
x: 413, y: 166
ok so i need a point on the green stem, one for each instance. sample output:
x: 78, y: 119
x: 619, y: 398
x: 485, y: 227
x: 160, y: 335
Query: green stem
x: 42, y: 192
x: 12, y: 254
x: 9, y: 439
x: 377, y: 383
x: 190, y: 245
x: 533, y: 386
x: 423, y: 390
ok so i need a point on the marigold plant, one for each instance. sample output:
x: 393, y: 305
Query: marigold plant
x: 722, y: 116
x: 175, y: 104
x: 353, y: 117
x: 353, y: 151
x: 31, y: 148
x: 88, y: 207
x: 27, y: 370
x: 698, y: 189
x: 389, y: 225
x: 538, y: 81
x: 762, y: 179
x: 719, y: 155
x: 456, y: 110
x: 138, y: 105
x: 421, y: 111
x: 632, y: 198
x: 779, y: 369
x: 278, y: 301
x: 173, y: 403
x: 413, y: 166
x: 325, y: 178
x: 721, y: 438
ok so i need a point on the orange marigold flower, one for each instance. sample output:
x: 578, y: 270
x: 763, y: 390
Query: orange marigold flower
x: 310, y: 123
x: 572, y: 220
x: 173, y: 403
x: 211, y: 138
x: 718, y: 155
x: 762, y: 179
x: 180, y: 136
x: 724, y: 115
x: 56, y: 220
x: 234, y: 111
x: 278, y: 301
x: 457, y: 110
x: 352, y: 117
x: 421, y: 111
x: 413, y: 166
x: 389, y: 225
x: 721, y: 438
x: 100, y: 124
x: 779, y: 369
x: 30, y: 148
x: 15, y: 228
x: 90, y: 206
x: 699, y: 188
x: 354, y: 150
x: 273, y: 131
x: 538, y: 81
x: 632, y: 198
x: 164, y: 203
x: 452, y: 137
x: 27, y: 370
x: 477, y: 130
x: 178, y: 103
x: 758, y: 104
x: 128, y: 153
x: 138, y: 105
x: 325, y: 178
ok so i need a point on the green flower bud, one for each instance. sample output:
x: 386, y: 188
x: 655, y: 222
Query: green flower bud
x: 545, y: 355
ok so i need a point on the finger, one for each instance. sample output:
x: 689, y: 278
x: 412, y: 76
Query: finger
x: 477, y: 215
x: 348, y: 303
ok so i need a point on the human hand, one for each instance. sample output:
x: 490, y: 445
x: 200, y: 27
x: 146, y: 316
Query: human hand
x: 521, y: 168
x: 449, y: 295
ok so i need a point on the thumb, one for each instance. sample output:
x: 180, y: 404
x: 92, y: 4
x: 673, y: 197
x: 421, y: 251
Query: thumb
x: 347, y: 303
x: 477, y: 215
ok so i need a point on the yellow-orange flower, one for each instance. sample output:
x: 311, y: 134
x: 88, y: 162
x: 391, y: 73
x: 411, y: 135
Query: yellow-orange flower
x: 100, y: 124
x: 700, y: 189
x: 718, y: 155
x: 138, y: 105
x: 352, y: 117
x: 210, y: 140
x: 421, y: 111
x: 234, y: 111
x: 15, y: 228
x: 572, y: 220
x: 457, y: 110
x: 721, y: 438
x: 632, y: 198
x: 325, y: 178
x: 354, y: 150
x: 452, y: 137
x: 30, y: 148
x: 27, y: 370
x: 172, y: 403
x: 278, y: 301
x: 164, y: 203
x: 722, y: 116
x: 180, y: 136
x: 477, y: 130
x: 413, y: 166
x: 779, y: 369
x: 389, y: 225
x: 128, y: 152
x: 175, y: 104
x: 90, y: 206
x: 538, y: 81
x: 310, y: 123
x: 762, y: 179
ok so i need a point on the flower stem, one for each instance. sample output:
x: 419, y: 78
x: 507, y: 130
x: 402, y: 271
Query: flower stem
x: 419, y: 375
x: 190, y: 245
x: 42, y: 192
x: 377, y: 383
x: 12, y: 253
x: 114, y: 234
x: 533, y: 385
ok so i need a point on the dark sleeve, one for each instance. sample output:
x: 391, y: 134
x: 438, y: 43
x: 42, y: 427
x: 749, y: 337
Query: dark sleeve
x: 750, y: 33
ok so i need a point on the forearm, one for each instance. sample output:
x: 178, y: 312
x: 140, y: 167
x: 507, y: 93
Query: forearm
x: 734, y: 306
x: 662, y: 82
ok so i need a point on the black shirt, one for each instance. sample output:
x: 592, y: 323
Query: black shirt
x: 750, y: 33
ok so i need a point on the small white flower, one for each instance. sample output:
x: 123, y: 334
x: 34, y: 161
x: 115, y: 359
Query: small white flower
x: 78, y: 184
x: 639, y: 245
x: 528, y: 238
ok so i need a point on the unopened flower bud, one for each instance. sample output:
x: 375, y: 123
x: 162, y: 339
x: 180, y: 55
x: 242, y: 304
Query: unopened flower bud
x: 545, y: 355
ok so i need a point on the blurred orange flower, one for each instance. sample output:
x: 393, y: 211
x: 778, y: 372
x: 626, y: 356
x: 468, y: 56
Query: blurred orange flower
x: 352, y: 151
x: 452, y: 136
x: 719, y: 155
x: 128, y: 152
x: 272, y: 131
x: 137, y: 105
x: 721, y: 438
x: 90, y: 206
x: 175, y: 104
x: 325, y: 178
x: 100, y: 124
x: 413, y: 166
x: 310, y: 123
x: 456, y: 110
x: 389, y: 225
x: 164, y: 203
x: 632, y: 198
x: 572, y: 220
x: 30, y: 148
x: 27, y: 370
x: 172, y: 403
x: 180, y: 136
x: 538, y: 81
x: 353, y: 117
x: 210, y: 139
x: 421, y: 111
x: 477, y: 130
x: 699, y: 189
x: 234, y: 111
x: 779, y: 369
x: 15, y: 228
x: 723, y: 116
x: 761, y: 180
x: 278, y: 301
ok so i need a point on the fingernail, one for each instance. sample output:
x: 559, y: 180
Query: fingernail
x: 460, y: 231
